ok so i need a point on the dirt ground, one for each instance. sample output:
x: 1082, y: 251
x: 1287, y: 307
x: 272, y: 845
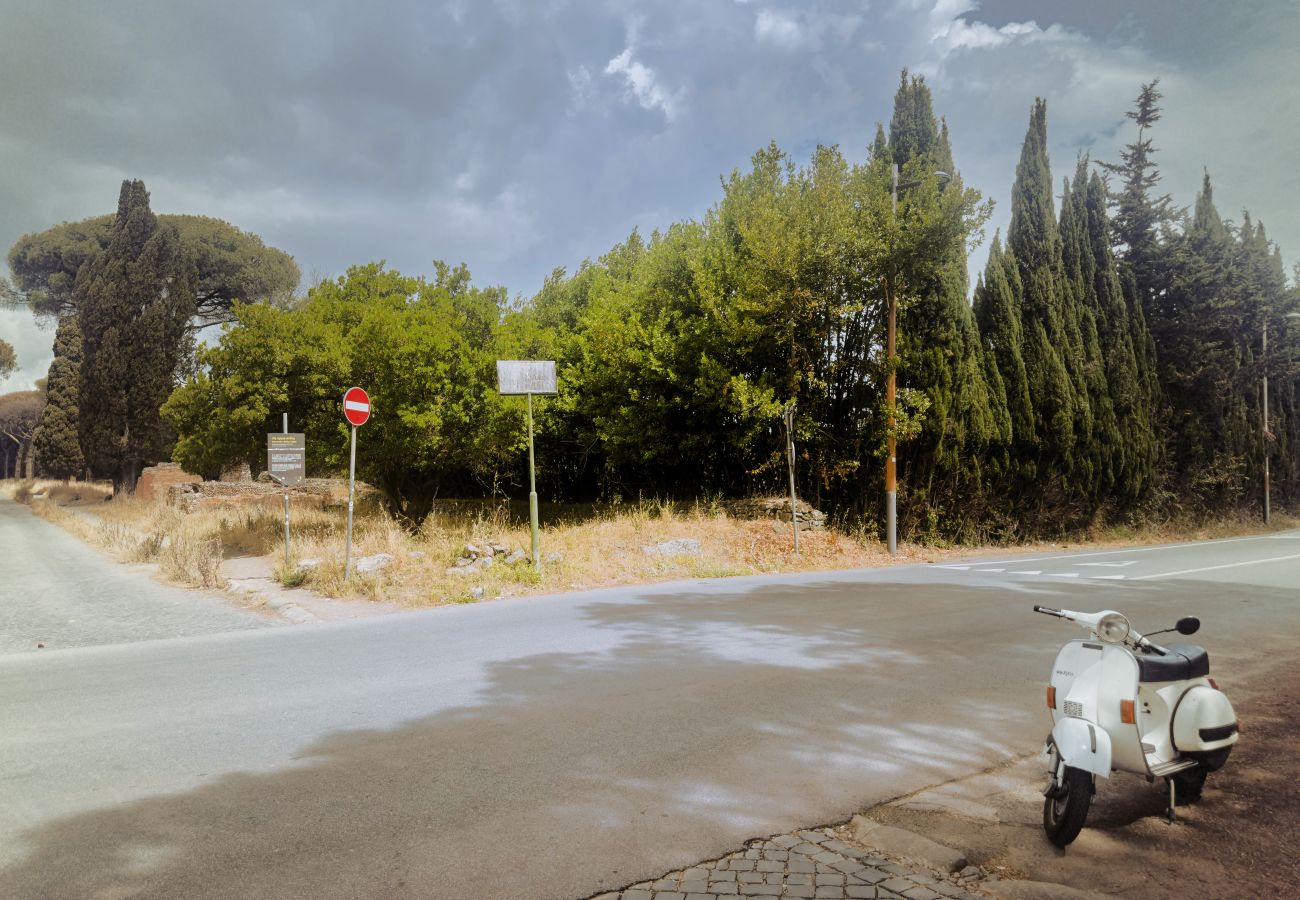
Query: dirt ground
x: 1239, y: 841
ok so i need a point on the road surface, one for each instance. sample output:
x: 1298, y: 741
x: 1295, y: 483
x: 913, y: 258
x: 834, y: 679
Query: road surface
x: 556, y: 747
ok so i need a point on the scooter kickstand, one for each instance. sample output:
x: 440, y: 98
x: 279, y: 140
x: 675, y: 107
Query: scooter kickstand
x: 1172, y: 815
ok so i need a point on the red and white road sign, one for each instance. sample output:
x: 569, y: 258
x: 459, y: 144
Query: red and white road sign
x: 356, y: 406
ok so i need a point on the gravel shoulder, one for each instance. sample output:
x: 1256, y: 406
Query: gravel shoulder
x: 1232, y: 844
x: 56, y: 592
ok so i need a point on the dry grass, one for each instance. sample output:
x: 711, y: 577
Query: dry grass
x: 591, y: 549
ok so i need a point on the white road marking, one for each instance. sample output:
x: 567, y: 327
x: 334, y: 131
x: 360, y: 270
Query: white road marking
x: 999, y: 562
x: 1249, y: 562
x: 1062, y: 574
x: 990, y: 570
x: 1108, y: 577
x: 959, y: 568
x: 1029, y: 572
x: 1113, y: 565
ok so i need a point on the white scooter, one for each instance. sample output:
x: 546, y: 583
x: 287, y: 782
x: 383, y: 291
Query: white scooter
x: 1121, y: 703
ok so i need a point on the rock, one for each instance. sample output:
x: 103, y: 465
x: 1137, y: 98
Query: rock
x: 417, y: 554
x: 516, y: 557
x: 675, y: 547
x: 899, y: 842
x: 476, y: 593
x: 472, y: 551
x: 306, y: 565
x: 368, y: 564
x: 462, y: 570
x: 485, y: 562
x: 463, y: 561
x: 554, y: 558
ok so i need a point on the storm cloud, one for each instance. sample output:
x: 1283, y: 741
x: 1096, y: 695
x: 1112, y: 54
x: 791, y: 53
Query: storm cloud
x: 521, y: 136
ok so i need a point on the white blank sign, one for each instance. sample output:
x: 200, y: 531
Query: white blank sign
x: 526, y: 376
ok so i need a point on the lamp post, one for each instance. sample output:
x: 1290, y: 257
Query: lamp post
x: 891, y: 385
x: 1264, y: 434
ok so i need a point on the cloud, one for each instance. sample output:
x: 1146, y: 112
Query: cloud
x: 780, y: 30
x: 643, y: 85
x: 519, y: 136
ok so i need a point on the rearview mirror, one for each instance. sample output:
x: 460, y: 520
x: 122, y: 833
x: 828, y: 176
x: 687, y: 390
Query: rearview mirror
x: 1188, y: 625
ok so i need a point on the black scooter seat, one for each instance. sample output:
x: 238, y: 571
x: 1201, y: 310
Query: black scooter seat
x: 1184, y: 661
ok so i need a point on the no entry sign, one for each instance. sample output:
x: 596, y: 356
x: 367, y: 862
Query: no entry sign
x: 356, y: 406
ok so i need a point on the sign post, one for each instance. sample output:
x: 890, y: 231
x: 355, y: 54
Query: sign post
x: 356, y: 409
x: 528, y: 377
x: 286, y: 462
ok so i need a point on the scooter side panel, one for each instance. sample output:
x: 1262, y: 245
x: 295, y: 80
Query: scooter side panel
x: 1083, y: 745
x: 1119, y: 682
x: 1204, y: 720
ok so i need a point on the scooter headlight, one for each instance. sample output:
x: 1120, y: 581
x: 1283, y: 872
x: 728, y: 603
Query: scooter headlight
x: 1113, y: 628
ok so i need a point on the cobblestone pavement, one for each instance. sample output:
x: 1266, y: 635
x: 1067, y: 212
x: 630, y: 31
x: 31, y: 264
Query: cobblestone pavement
x: 806, y: 864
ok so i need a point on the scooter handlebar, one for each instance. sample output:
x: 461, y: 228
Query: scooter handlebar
x: 1048, y: 611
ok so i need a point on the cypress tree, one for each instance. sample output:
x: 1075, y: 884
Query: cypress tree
x: 1035, y: 244
x: 997, y: 308
x: 940, y: 348
x: 1096, y: 428
x: 1124, y: 344
x: 56, y: 444
x: 134, y: 302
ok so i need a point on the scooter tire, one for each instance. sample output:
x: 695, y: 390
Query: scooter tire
x: 1189, y: 784
x: 1064, y: 814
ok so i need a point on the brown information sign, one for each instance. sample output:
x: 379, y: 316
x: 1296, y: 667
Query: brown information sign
x: 286, y: 458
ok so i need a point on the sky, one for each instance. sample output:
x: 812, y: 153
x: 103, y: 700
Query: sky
x: 518, y: 136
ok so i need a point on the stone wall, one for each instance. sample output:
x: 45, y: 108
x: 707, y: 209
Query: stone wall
x: 156, y: 481
x: 315, y: 492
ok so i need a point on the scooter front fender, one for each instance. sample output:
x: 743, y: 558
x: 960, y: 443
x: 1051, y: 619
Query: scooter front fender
x: 1083, y: 745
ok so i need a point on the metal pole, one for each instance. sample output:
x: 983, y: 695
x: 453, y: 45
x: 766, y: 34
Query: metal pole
x: 352, y: 480
x: 1264, y: 426
x: 532, y: 491
x: 789, y: 448
x: 891, y: 471
x: 286, y: 506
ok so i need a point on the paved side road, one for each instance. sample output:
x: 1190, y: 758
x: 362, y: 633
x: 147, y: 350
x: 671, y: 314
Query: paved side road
x: 56, y: 591
x: 804, y: 864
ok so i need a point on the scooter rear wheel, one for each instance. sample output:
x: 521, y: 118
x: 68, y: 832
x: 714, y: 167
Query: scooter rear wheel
x: 1063, y: 814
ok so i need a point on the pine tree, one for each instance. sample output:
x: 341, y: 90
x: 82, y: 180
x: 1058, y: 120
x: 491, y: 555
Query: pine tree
x: 1140, y: 216
x: 134, y: 304
x: 56, y: 444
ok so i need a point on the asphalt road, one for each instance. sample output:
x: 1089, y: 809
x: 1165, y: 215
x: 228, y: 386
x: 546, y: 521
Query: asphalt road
x: 555, y: 747
x: 57, y: 592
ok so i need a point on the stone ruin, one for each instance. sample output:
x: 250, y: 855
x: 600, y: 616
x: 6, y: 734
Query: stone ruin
x: 777, y: 508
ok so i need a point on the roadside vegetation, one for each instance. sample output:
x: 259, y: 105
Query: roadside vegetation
x: 584, y: 546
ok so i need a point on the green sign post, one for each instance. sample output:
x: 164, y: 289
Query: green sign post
x: 517, y: 377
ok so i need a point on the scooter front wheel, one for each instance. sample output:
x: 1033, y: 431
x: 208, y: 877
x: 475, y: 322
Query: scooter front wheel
x: 1066, y: 808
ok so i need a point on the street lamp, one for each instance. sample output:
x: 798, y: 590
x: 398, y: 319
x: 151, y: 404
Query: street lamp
x: 891, y: 387
x: 1263, y: 424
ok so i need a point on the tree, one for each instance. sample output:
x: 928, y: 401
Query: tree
x: 19, y: 413
x: 424, y: 350
x: 230, y: 265
x: 56, y: 442
x: 8, y: 360
x: 1053, y: 348
x: 134, y: 303
x: 939, y: 342
x: 1139, y: 216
